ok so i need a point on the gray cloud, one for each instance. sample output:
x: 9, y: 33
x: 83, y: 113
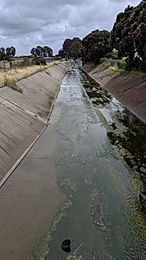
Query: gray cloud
x: 27, y: 23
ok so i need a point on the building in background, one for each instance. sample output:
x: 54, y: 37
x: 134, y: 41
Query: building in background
x: 4, y: 64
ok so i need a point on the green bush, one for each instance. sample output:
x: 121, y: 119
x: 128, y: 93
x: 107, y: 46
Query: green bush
x: 122, y: 64
x: 103, y: 59
x: 40, y: 61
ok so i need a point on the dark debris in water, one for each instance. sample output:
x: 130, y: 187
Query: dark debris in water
x: 66, y: 245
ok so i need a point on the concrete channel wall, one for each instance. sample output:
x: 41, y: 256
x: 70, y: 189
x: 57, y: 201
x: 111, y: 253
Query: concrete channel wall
x: 129, y: 88
x: 23, y: 116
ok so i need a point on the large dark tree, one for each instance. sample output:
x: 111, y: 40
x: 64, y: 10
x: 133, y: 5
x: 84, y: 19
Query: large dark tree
x: 67, y: 47
x: 71, y: 48
x: 75, y: 48
x: 95, y: 46
x: 129, y: 34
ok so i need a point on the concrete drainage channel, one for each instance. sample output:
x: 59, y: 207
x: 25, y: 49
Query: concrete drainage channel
x: 24, y: 116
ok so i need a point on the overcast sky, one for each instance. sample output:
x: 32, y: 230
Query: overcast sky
x: 28, y: 23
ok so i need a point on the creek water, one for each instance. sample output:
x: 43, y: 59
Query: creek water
x: 102, y: 215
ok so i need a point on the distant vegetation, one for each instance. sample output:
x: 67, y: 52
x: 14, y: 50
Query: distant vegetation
x: 6, y: 54
x: 42, y: 51
x: 71, y: 48
x: 40, y: 61
x: 37, y: 58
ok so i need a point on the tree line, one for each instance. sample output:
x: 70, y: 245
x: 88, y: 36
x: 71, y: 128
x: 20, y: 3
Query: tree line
x: 127, y: 38
x: 10, y: 52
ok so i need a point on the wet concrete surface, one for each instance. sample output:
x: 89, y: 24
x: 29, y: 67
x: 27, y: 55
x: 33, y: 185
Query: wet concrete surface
x: 29, y: 201
x: 76, y: 185
x: 127, y: 87
x: 23, y: 116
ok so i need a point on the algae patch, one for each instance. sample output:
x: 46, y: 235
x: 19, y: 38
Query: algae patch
x: 69, y: 185
x: 97, y: 214
x: 42, y: 249
x: 96, y: 204
x: 76, y: 255
x: 63, y: 159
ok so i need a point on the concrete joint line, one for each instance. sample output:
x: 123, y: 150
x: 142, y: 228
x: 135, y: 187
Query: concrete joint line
x: 24, y: 110
x: 6, y: 177
x: 9, y: 173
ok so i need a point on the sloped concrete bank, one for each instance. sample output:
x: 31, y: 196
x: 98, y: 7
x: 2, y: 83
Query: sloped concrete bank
x: 128, y: 88
x: 24, y: 116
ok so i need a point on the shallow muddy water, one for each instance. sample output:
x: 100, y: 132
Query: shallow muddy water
x: 102, y: 215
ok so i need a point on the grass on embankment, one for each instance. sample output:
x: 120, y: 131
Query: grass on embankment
x: 119, y: 68
x: 9, y: 77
